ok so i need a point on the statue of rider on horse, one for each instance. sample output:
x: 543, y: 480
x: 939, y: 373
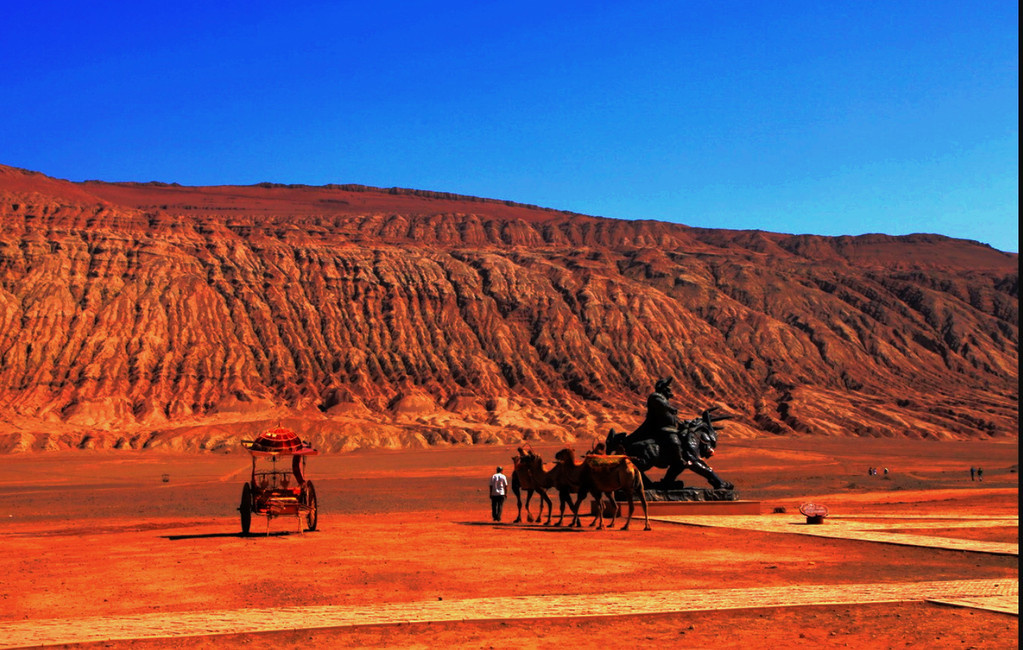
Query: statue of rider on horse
x: 665, y: 442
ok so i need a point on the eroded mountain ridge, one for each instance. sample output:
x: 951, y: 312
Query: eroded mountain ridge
x: 147, y: 315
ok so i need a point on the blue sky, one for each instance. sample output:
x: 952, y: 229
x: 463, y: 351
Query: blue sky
x: 804, y: 117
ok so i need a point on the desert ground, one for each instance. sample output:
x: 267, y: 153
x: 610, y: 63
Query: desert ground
x: 143, y: 550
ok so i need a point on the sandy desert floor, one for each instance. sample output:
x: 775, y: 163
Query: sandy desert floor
x: 100, y: 551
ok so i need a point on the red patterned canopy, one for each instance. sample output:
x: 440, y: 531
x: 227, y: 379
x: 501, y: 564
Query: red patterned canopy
x: 278, y: 441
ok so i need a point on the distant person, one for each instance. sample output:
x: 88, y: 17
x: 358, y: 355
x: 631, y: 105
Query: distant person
x: 973, y: 473
x: 980, y: 473
x: 886, y: 471
x: 498, y: 491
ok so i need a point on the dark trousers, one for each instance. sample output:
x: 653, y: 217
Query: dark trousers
x: 496, y: 506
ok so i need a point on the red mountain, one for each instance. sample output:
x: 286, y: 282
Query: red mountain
x: 146, y: 315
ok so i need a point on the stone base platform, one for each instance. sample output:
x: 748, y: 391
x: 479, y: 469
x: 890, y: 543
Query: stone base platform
x: 655, y: 508
x: 685, y: 501
x: 658, y: 508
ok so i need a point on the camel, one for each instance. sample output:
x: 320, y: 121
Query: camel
x: 564, y: 477
x: 601, y: 475
x: 529, y: 475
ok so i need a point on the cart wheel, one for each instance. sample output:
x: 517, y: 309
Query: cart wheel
x: 245, y: 508
x: 308, y: 498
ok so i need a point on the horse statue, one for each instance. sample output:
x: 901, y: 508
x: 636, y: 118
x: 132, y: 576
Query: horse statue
x: 674, y: 450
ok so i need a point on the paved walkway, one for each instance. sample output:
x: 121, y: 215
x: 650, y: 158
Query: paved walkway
x: 1000, y: 595
x: 866, y: 528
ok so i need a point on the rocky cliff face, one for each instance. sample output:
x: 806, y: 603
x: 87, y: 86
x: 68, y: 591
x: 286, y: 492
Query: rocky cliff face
x: 147, y: 315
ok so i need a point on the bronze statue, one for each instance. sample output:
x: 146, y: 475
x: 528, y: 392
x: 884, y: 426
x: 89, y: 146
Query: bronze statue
x: 664, y: 442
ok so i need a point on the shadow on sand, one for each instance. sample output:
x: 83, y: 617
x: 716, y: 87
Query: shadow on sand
x: 541, y: 528
x: 273, y: 533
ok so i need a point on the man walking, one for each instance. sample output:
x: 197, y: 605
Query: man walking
x: 498, y: 490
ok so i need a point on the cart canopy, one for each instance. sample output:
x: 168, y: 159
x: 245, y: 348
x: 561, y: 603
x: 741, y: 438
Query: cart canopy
x: 279, y: 441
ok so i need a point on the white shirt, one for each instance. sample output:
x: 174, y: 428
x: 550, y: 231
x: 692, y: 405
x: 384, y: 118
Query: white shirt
x: 498, y: 485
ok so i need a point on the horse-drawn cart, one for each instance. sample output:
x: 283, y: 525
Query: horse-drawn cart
x: 272, y: 491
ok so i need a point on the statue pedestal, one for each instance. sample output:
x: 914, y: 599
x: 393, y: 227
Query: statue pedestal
x: 698, y: 501
x: 691, y: 494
